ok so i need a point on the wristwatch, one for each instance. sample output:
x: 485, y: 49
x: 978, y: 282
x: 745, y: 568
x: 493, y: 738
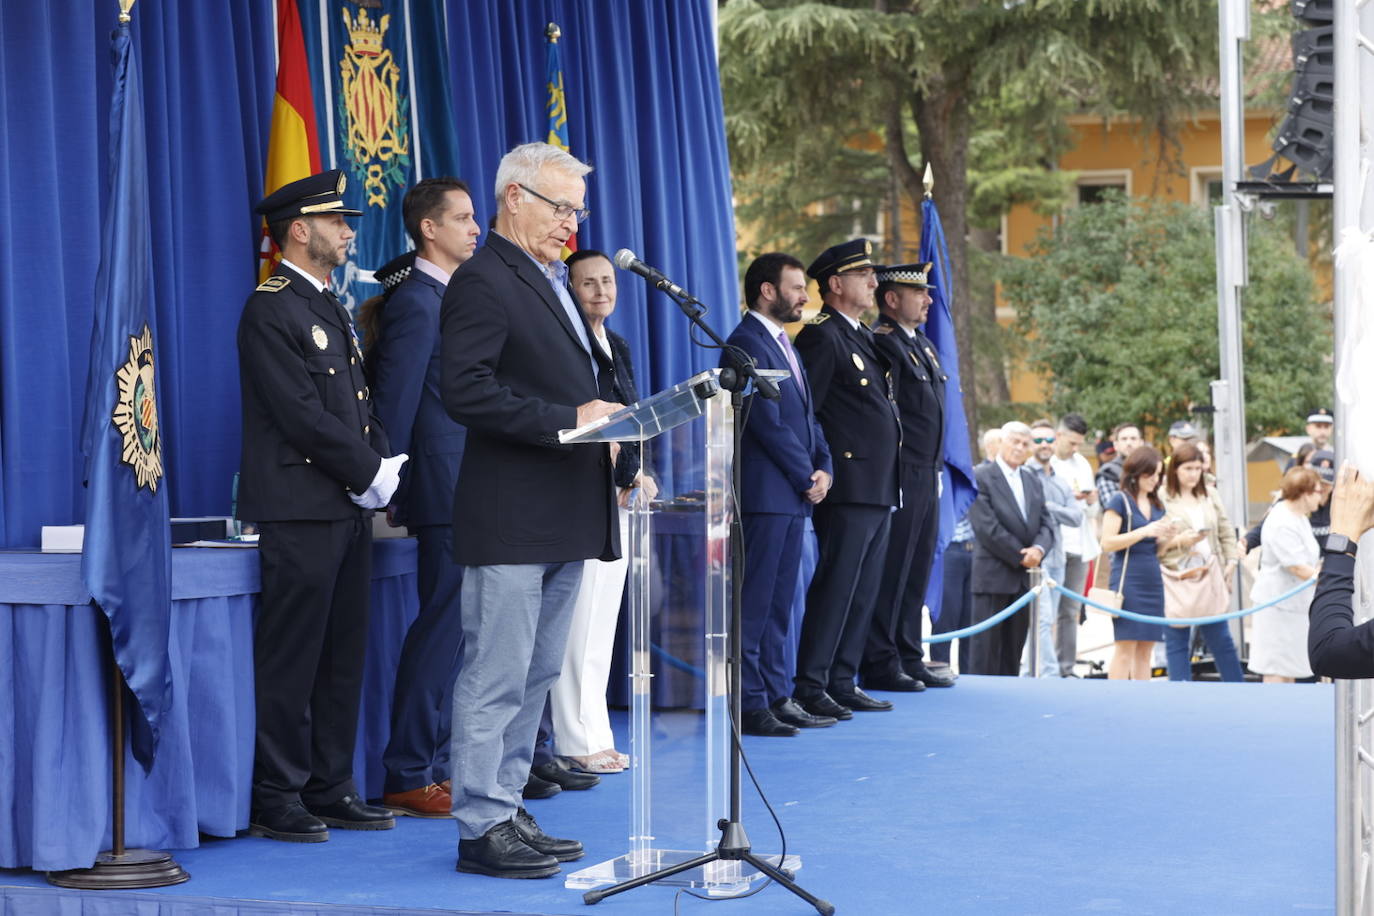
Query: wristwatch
x: 1339, y: 543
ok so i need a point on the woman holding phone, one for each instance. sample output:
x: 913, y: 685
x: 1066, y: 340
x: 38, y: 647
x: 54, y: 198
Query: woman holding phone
x: 1205, y: 546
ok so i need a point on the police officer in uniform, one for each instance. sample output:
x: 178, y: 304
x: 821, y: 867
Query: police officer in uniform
x: 893, y: 659
x: 853, y: 402
x: 314, y: 466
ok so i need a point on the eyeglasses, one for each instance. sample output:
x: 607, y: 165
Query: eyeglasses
x: 1042, y: 440
x: 561, y: 211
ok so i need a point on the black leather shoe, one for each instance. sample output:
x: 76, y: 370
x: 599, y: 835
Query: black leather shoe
x: 558, y: 773
x: 824, y: 705
x: 933, y: 677
x: 789, y: 712
x: 291, y: 823
x: 540, y: 788
x: 763, y: 723
x: 352, y: 813
x: 539, y: 841
x: 502, y: 853
x: 896, y: 680
x: 862, y: 702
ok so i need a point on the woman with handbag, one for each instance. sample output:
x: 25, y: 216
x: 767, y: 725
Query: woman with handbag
x: 1199, y: 566
x: 1133, y: 522
x: 1289, y: 556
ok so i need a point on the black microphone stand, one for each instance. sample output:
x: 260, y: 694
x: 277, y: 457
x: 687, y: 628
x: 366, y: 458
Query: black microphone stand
x: 734, y: 842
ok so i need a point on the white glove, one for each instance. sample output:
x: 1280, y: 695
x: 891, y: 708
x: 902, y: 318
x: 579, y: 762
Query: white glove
x: 384, y: 485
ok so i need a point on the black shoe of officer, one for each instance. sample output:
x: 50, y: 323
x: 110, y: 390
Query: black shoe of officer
x: 789, y: 712
x: 558, y: 772
x: 859, y: 701
x: 290, y: 822
x: 764, y: 724
x: 502, y: 852
x: 536, y: 839
x: 540, y: 788
x: 894, y: 680
x: 934, y: 677
x: 352, y: 813
x: 824, y: 705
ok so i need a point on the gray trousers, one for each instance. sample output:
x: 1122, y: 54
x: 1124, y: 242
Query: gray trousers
x: 515, y: 627
x: 1066, y: 621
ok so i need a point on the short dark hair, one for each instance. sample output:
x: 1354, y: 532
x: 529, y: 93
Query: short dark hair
x: 426, y: 201
x: 1116, y: 430
x: 585, y: 254
x: 767, y: 268
x: 1074, y: 423
x: 1043, y: 421
x: 279, y: 229
x: 1142, y: 462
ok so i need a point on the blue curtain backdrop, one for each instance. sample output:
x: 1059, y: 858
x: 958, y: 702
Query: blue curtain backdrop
x: 644, y: 108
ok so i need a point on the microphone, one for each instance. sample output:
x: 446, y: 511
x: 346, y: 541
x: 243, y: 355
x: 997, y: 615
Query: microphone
x: 625, y: 259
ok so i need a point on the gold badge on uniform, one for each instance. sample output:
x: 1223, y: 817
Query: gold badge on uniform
x: 858, y: 363
x: 933, y: 361
x: 318, y: 335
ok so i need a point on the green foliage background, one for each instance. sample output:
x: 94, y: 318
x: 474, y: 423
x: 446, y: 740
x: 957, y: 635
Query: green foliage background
x: 1117, y: 307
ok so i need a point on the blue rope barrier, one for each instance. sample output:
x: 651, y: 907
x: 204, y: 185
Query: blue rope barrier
x: 992, y: 621
x: 674, y: 662
x: 1184, y: 621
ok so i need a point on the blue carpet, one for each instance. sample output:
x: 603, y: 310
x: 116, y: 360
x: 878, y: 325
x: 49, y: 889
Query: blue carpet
x: 999, y: 796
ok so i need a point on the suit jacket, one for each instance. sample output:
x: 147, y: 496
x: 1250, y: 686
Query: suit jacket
x: 853, y: 402
x: 513, y: 371
x: 999, y: 531
x: 919, y: 385
x: 783, y: 443
x: 404, y: 366
x: 309, y: 434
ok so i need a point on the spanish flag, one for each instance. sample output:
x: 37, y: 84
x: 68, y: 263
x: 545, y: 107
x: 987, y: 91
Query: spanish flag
x: 293, y: 148
x: 558, y: 108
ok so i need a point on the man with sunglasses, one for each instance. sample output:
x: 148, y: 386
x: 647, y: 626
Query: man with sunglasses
x: 517, y: 365
x: 1062, y: 506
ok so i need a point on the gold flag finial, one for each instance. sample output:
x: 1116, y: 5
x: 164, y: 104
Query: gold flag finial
x: 928, y: 180
x: 124, y: 7
x: 553, y: 32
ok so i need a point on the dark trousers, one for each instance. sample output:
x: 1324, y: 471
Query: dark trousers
x: 308, y: 642
x: 956, y: 602
x: 772, y: 559
x: 998, y: 650
x: 894, y: 637
x: 839, y: 603
x: 417, y: 752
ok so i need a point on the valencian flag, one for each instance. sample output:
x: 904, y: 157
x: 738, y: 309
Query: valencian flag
x: 960, y: 488
x: 293, y: 148
x: 382, y: 101
x: 126, y: 558
x: 557, y: 106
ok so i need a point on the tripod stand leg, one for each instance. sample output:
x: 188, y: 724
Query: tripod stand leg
x: 824, y: 907
x: 596, y: 896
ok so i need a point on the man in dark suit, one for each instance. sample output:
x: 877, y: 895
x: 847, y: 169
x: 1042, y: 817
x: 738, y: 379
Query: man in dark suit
x: 518, y: 365
x: 893, y: 658
x: 1012, y: 534
x: 404, y: 364
x: 785, y: 470
x: 853, y: 402
x: 313, y: 468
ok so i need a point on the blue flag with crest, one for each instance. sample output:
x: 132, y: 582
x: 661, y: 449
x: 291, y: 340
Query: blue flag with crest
x: 126, y: 556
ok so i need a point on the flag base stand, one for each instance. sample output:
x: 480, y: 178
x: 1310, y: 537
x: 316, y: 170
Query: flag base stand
x: 119, y: 868
x: 133, y: 868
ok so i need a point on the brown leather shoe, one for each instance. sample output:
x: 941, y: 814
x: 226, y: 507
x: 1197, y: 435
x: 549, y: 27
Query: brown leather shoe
x: 426, y: 801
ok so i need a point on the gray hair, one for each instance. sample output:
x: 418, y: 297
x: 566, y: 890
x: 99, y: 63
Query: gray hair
x: 1015, y: 428
x: 523, y: 164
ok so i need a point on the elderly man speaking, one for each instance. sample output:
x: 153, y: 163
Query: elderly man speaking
x: 517, y: 366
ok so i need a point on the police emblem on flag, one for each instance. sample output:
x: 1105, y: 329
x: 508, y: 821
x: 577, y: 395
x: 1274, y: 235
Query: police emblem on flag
x: 135, y: 412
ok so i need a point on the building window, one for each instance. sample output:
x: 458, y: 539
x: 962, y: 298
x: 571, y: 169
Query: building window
x: 1094, y: 184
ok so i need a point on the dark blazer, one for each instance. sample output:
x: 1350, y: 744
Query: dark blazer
x: 623, y: 390
x: 309, y: 434
x: 513, y: 371
x: 999, y: 532
x: 919, y: 385
x: 783, y: 443
x: 854, y: 406
x: 404, y: 366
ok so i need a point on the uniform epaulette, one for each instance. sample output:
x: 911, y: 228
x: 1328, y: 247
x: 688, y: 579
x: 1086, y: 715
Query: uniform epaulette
x: 821, y: 318
x: 883, y: 329
x: 274, y: 284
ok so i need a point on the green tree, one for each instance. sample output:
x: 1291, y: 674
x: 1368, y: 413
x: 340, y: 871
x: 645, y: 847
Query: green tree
x: 978, y: 87
x: 1118, y: 308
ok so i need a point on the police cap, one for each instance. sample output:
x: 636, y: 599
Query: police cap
x: 322, y: 193
x: 907, y: 275
x: 837, y: 259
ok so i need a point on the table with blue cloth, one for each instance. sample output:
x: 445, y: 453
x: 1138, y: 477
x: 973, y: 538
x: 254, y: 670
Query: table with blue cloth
x: 54, y: 704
